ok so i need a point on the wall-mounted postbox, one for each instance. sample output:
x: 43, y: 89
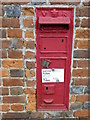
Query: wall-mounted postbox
x: 54, y: 36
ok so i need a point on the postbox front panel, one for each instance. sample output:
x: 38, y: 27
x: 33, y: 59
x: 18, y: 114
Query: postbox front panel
x: 54, y: 30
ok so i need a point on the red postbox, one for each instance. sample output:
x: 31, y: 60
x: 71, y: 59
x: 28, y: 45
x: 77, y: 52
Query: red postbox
x: 54, y: 36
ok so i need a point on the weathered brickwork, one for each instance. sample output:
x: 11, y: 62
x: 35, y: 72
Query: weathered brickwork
x: 18, y: 60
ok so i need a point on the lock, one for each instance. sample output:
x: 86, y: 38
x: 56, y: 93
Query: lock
x: 49, y: 89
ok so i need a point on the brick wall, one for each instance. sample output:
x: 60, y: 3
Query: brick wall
x: 18, y: 61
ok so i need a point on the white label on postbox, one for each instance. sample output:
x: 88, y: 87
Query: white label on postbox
x: 52, y: 75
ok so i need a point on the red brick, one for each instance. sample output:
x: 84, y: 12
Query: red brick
x: 6, y: 43
x: 81, y: 54
x: 30, y: 106
x: 67, y: 2
x: 17, y: 44
x: 77, y: 22
x: 4, y: 73
x: 4, y: 107
x: 81, y: 81
x: 31, y: 91
x: 86, y: 3
x: 14, y: 99
x: 29, y: 34
x: 10, y: 22
x: 15, y: 54
x: 29, y: 54
x: 82, y: 33
x: 83, y: 44
x: 39, y: 115
x: 3, y: 33
x: 85, y: 23
x: 31, y: 83
x: 12, y: 43
x: 83, y: 63
x: 27, y: 11
x: 0, y: 47
x: 29, y: 73
x: 75, y: 43
x: 30, y: 65
x: 4, y: 91
x: 3, y: 54
x: 28, y: 23
x: 0, y: 23
x: 13, y: 82
x: 13, y: 63
x: 16, y: 73
x: 82, y: 98
x: 1, y: 10
x: 0, y: 82
x: 15, y: 33
x: 31, y: 98
x: 16, y: 91
x: 80, y: 72
x: 17, y: 107
x: 83, y: 11
x: 15, y: 2
x: 29, y: 44
x: 16, y: 115
x: 72, y: 99
x: 74, y: 63
x: 0, y: 63
x: 82, y: 113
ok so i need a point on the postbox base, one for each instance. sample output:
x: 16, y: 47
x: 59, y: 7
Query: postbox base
x: 52, y: 108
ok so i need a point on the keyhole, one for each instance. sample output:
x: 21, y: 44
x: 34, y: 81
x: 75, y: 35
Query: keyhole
x: 62, y: 40
x: 44, y: 48
x: 46, y: 88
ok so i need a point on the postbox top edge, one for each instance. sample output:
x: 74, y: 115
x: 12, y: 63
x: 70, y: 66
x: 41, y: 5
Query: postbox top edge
x: 50, y: 8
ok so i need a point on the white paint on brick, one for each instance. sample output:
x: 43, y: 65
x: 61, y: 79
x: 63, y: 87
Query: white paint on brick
x: 24, y: 49
x: 72, y: 53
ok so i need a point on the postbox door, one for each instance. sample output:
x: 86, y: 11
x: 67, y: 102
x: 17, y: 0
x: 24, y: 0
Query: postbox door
x: 53, y: 81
